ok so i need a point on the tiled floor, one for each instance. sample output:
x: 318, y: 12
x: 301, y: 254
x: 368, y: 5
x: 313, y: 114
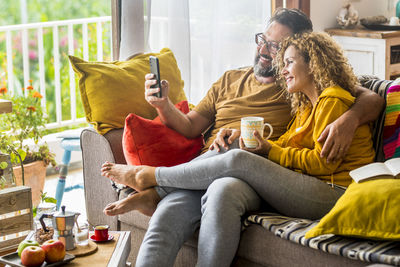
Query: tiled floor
x: 73, y: 200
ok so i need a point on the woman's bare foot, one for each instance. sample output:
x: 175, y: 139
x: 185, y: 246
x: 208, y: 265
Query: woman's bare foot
x: 144, y: 202
x: 136, y: 177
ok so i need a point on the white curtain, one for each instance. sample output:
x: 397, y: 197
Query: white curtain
x: 208, y: 37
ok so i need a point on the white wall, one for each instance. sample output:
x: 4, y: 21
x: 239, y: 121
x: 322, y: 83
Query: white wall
x: 324, y: 12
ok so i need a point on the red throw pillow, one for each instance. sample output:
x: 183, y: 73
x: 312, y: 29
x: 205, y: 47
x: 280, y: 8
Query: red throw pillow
x: 150, y: 142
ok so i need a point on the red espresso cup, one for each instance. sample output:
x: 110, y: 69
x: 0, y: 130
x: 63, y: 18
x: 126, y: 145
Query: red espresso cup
x: 101, y: 232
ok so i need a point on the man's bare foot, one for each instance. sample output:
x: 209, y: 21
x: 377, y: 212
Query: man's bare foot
x: 136, y: 177
x: 144, y: 202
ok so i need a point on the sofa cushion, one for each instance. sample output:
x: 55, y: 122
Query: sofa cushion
x: 264, y: 247
x: 112, y: 90
x: 150, y: 142
x: 294, y: 229
x: 369, y: 210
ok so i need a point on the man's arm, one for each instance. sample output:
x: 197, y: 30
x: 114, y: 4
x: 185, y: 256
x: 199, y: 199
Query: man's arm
x: 338, y: 135
x: 190, y: 125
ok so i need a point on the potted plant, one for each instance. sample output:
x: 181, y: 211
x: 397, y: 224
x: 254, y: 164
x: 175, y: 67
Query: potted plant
x: 26, y: 121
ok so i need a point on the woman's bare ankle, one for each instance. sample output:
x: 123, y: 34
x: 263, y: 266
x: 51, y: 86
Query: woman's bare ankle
x: 146, y: 178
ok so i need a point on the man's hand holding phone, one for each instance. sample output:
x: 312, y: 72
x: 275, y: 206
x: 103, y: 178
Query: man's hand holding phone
x: 149, y: 91
x: 156, y: 90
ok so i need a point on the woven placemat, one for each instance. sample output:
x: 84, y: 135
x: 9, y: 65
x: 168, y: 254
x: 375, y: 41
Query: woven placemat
x: 84, y: 250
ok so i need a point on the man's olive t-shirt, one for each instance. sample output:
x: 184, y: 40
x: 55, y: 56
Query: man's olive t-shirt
x: 238, y: 94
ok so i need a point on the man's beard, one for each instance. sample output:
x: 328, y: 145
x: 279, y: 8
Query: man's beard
x: 259, y: 70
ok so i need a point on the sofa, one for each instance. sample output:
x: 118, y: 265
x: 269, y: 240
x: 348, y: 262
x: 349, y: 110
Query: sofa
x: 258, y: 246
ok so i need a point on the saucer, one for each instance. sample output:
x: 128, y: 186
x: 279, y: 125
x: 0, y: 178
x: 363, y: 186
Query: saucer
x: 110, y: 237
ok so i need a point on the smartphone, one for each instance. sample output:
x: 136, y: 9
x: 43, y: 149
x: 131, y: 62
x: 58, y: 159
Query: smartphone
x: 155, y: 69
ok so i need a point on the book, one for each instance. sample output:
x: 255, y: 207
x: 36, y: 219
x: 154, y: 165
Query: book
x: 389, y: 169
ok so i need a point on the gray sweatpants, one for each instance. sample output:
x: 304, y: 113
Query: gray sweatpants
x: 291, y: 193
x: 219, y: 208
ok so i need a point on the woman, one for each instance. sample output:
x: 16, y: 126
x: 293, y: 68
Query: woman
x: 320, y: 83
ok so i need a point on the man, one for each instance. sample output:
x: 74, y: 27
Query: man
x: 239, y: 93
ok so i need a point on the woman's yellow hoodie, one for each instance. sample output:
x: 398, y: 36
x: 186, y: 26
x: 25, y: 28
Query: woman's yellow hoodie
x: 299, y: 150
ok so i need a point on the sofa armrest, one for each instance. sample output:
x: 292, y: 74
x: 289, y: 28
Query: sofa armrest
x: 96, y: 149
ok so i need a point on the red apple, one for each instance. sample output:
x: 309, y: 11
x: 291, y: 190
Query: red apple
x: 55, y: 250
x: 33, y: 256
x: 26, y: 243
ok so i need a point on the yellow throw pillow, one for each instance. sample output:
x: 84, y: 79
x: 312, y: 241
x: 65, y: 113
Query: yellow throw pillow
x: 112, y: 90
x: 368, y: 210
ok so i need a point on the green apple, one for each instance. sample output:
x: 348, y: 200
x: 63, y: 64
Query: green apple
x: 26, y: 243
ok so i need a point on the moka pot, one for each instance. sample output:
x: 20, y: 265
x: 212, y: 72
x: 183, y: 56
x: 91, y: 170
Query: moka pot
x: 63, y: 223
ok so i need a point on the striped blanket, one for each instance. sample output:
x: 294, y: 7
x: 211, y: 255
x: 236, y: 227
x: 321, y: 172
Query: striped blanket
x: 294, y: 229
x: 391, y: 130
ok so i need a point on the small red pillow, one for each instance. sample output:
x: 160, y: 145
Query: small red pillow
x: 150, y: 142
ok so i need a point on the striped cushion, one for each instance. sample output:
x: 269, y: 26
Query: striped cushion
x: 294, y: 229
x: 391, y: 131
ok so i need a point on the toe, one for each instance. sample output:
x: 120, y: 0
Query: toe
x: 107, y: 164
x: 109, y: 206
x: 108, y: 212
x: 112, y: 212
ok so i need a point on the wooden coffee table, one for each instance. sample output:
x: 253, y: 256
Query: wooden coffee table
x: 118, y: 258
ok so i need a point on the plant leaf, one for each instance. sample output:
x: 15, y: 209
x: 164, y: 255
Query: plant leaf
x: 13, y: 157
x: 50, y: 200
x: 34, y: 211
x: 2, y: 182
x: 3, y: 165
x: 22, y: 153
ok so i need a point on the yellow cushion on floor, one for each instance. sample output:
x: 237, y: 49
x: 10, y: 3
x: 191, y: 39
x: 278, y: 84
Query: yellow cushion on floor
x: 112, y: 90
x: 369, y: 209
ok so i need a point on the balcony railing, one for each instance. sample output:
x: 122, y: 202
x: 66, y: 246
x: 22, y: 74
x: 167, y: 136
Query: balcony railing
x: 38, y: 52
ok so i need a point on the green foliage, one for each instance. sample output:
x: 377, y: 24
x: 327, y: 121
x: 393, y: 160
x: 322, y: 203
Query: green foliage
x: 3, y: 165
x: 50, y: 10
x: 44, y: 198
x: 25, y: 121
x: 43, y: 153
x: 28, y: 123
x: 26, y: 118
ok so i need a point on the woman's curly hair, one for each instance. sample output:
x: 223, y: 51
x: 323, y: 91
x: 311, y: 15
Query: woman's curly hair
x: 327, y: 63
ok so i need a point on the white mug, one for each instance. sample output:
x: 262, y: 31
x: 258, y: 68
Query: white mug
x: 248, y: 125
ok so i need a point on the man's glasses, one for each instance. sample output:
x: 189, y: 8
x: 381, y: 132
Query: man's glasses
x: 272, y: 46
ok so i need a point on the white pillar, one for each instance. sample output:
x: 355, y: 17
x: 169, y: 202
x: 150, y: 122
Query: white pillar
x: 132, y: 28
x: 24, y: 12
